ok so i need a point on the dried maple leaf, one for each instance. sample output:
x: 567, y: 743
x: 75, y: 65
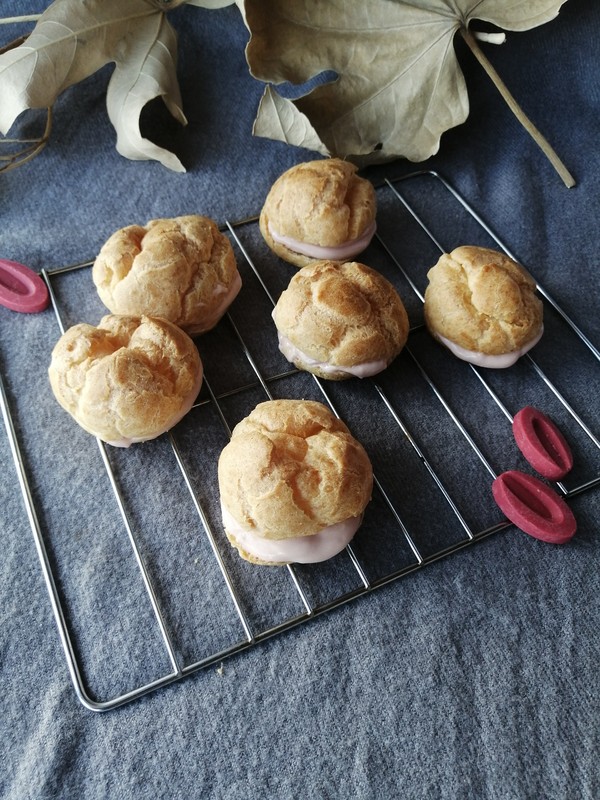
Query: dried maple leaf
x: 71, y: 40
x: 399, y: 85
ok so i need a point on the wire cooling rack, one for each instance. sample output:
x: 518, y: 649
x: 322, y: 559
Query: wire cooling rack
x: 144, y: 587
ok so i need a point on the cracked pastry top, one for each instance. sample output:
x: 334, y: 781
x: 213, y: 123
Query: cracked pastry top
x: 127, y: 380
x: 483, y: 306
x: 319, y: 210
x: 339, y: 321
x: 182, y: 269
x: 293, y: 482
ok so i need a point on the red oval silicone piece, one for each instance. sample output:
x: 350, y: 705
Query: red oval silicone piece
x: 534, y: 507
x: 542, y: 444
x: 22, y: 289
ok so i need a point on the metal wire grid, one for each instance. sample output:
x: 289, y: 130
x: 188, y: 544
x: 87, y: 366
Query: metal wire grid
x: 366, y: 579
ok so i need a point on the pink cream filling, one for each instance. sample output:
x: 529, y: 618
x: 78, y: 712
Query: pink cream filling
x: 294, y: 355
x: 229, y: 295
x: 501, y: 361
x: 340, y: 252
x: 300, y: 549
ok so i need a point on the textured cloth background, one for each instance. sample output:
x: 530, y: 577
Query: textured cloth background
x: 475, y: 677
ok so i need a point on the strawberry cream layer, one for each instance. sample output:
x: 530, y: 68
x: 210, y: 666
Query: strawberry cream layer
x: 341, y: 252
x: 294, y: 355
x: 229, y: 295
x: 483, y: 360
x: 298, y: 550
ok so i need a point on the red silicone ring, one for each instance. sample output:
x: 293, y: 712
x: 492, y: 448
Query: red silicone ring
x: 534, y: 507
x: 542, y: 444
x: 22, y: 289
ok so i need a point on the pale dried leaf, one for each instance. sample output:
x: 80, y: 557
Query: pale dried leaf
x: 290, y: 125
x: 399, y: 84
x: 145, y: 71
x: 72, y: 40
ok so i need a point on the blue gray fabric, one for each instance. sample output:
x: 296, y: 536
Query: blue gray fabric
x: 475, y: 676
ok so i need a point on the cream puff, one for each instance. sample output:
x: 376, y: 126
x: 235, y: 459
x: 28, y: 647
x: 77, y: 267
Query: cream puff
x: 294, y: 484
x: 319, y: 210
x: 182, y: 269
x: 483, y: 307
x: 340, y: 320
x: 127, y: 380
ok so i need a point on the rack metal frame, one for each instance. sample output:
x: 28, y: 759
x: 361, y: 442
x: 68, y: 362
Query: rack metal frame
x: 250, y: 635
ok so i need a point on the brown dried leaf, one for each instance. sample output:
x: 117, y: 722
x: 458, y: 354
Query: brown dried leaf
x: 399, y: 84
x: 72, y: 40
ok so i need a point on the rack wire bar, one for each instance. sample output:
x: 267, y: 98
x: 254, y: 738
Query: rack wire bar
x: 200, y: 511
x: 439, y: 483
x: 360, y: 577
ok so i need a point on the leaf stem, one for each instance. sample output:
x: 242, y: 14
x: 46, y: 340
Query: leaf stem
x: 540, y: 140
x: 13, y: 20
x: 17, y: 159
